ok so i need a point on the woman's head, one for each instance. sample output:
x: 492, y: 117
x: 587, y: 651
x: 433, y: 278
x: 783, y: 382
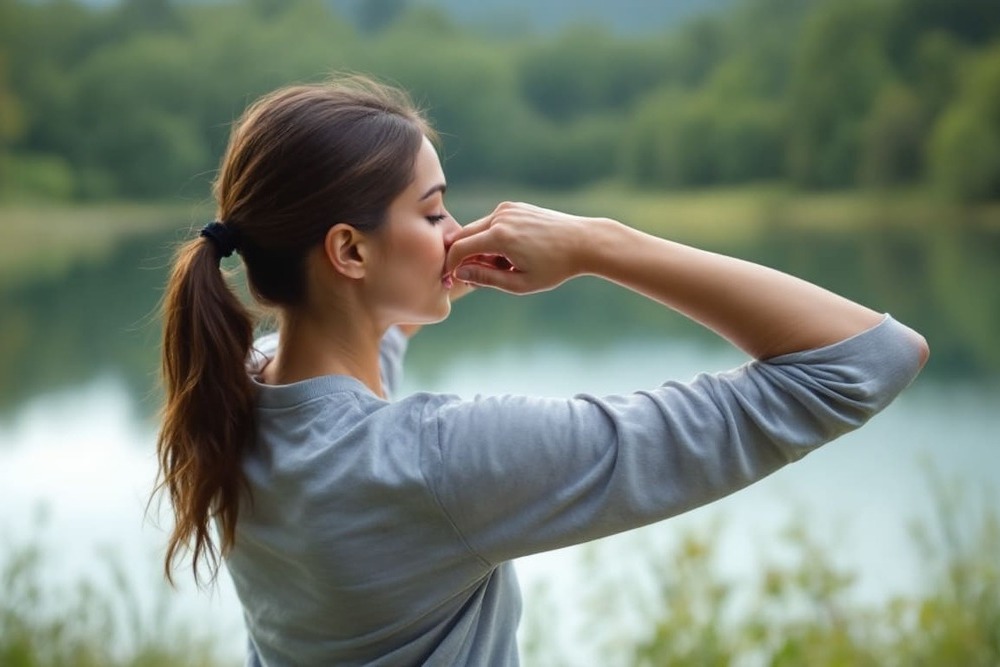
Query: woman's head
x: 301, y: 161
x: 305, y: 158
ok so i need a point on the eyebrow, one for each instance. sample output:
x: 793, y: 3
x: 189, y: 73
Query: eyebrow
x: 440, y: 187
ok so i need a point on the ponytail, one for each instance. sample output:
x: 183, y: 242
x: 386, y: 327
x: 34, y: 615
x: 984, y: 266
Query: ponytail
x: 208, y: 414
x: 297, y: 160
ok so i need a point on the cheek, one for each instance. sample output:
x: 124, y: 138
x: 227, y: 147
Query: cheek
x: 419, y: 255
x: 430, y: 246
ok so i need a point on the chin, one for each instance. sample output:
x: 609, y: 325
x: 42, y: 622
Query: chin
x: 438, y: 314
x: 443, y: 313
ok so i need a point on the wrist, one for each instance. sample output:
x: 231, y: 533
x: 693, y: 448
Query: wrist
x: 602, y: 241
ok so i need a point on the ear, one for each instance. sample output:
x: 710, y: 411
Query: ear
x: 346, y: 249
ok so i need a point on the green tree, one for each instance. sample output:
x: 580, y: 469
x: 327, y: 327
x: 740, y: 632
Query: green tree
x: 936, y: 70
x: 973, y: 22
x: 697, y: 50
x: 965, y: 145
x: 586, y: 70
x: 11, y: 123
x: 749, y: 142
x: 569, y: 155
x: 892, y: 150
x: 147, y: 16
x: 762, y: 37
x: 713, y: 136
x: 668, y: 142
x: 145, y: 135
x: 965, y: 155
x: 485, y: 127
x: 839, y: 70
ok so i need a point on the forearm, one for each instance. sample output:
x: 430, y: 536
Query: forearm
x: 760, y: 310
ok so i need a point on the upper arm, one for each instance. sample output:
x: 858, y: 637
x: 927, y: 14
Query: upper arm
x: 519, y: 475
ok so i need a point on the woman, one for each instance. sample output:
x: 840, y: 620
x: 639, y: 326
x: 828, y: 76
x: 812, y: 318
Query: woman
x: 360, y: 530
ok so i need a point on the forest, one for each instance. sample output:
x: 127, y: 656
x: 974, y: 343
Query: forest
x: 134, y: 100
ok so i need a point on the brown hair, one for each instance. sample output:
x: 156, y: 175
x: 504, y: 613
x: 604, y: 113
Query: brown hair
x: 300, y: 160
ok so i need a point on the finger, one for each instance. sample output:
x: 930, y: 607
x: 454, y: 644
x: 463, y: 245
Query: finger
x: 498, y: 262
x: 474, y: 227
x: 484, y: 276
x: 482, y: 243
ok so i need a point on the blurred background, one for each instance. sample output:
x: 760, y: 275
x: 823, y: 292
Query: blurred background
x: 853, y: 142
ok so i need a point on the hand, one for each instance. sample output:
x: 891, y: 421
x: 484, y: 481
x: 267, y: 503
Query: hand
x: 519, y: 248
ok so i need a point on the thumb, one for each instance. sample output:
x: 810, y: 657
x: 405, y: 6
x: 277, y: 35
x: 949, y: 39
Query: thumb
x: 485, y: 276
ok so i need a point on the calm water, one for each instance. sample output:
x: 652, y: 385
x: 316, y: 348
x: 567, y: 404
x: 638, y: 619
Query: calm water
x: 78, y: 355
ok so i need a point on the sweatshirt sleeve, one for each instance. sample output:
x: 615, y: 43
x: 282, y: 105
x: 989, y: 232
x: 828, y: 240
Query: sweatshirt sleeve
x: 518, y: 475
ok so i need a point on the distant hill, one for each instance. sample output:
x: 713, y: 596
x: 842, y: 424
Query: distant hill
x: 621, y: 16
x: 541, y: 16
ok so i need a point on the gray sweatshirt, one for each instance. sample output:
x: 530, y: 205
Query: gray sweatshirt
x: 382, y: 532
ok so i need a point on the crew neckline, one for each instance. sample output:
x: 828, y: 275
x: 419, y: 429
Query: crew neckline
x: 287, y: 395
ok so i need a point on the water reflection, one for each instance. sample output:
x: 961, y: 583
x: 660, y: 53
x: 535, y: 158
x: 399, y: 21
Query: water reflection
x: 95, y: 320
x: 100, y: 319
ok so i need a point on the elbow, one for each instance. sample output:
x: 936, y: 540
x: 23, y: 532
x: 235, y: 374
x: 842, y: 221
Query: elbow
x: 922, y: 348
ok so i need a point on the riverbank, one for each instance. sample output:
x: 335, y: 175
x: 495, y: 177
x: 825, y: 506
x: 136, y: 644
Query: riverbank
x: 46, y: 239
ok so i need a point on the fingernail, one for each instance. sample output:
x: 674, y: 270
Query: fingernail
x: 463, y: 273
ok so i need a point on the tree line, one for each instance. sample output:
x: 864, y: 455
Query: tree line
x: 135, y: 99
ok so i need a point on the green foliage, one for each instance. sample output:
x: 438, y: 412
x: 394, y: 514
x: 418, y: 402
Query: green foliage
x: 11, y: 115
x: 893, y: 139
x: 968, y: 21
x: 585, y: 71
x: 839, y: 69
x: 689, y: 629
x: 89, y: 623
x: 802, y: 609
x: 667, y: 144
x: 681, y: 139
x: 958, y: 621
x: 966, y: 155
x: 965, y: 147
x: 137, y: 97
x: 37, y: 177
x: 571, y: 154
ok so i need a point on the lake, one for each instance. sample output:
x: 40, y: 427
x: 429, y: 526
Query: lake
x: 78, y: 357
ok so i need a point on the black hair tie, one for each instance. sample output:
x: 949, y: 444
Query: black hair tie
x: 222, y: 236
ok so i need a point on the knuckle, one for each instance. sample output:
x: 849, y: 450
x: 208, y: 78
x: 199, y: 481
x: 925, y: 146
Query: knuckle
x: 504, y: 234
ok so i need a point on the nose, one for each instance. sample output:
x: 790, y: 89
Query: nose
x: 451, y: 231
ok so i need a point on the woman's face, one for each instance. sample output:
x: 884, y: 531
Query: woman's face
x: 409, y: 285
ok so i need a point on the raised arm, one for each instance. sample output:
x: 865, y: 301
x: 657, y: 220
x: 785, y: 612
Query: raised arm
x: 522, y: 248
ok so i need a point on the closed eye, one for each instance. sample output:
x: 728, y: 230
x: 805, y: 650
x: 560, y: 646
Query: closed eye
x: 434, y: 219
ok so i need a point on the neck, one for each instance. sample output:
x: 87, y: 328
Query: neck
x: 328, y: 344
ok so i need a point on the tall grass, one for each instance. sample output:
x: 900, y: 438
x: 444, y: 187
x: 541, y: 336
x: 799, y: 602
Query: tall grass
x: 92, y: 622
x: 801, y: 611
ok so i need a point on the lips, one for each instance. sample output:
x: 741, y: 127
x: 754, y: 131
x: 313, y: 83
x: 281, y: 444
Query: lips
x: 447, y: 281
